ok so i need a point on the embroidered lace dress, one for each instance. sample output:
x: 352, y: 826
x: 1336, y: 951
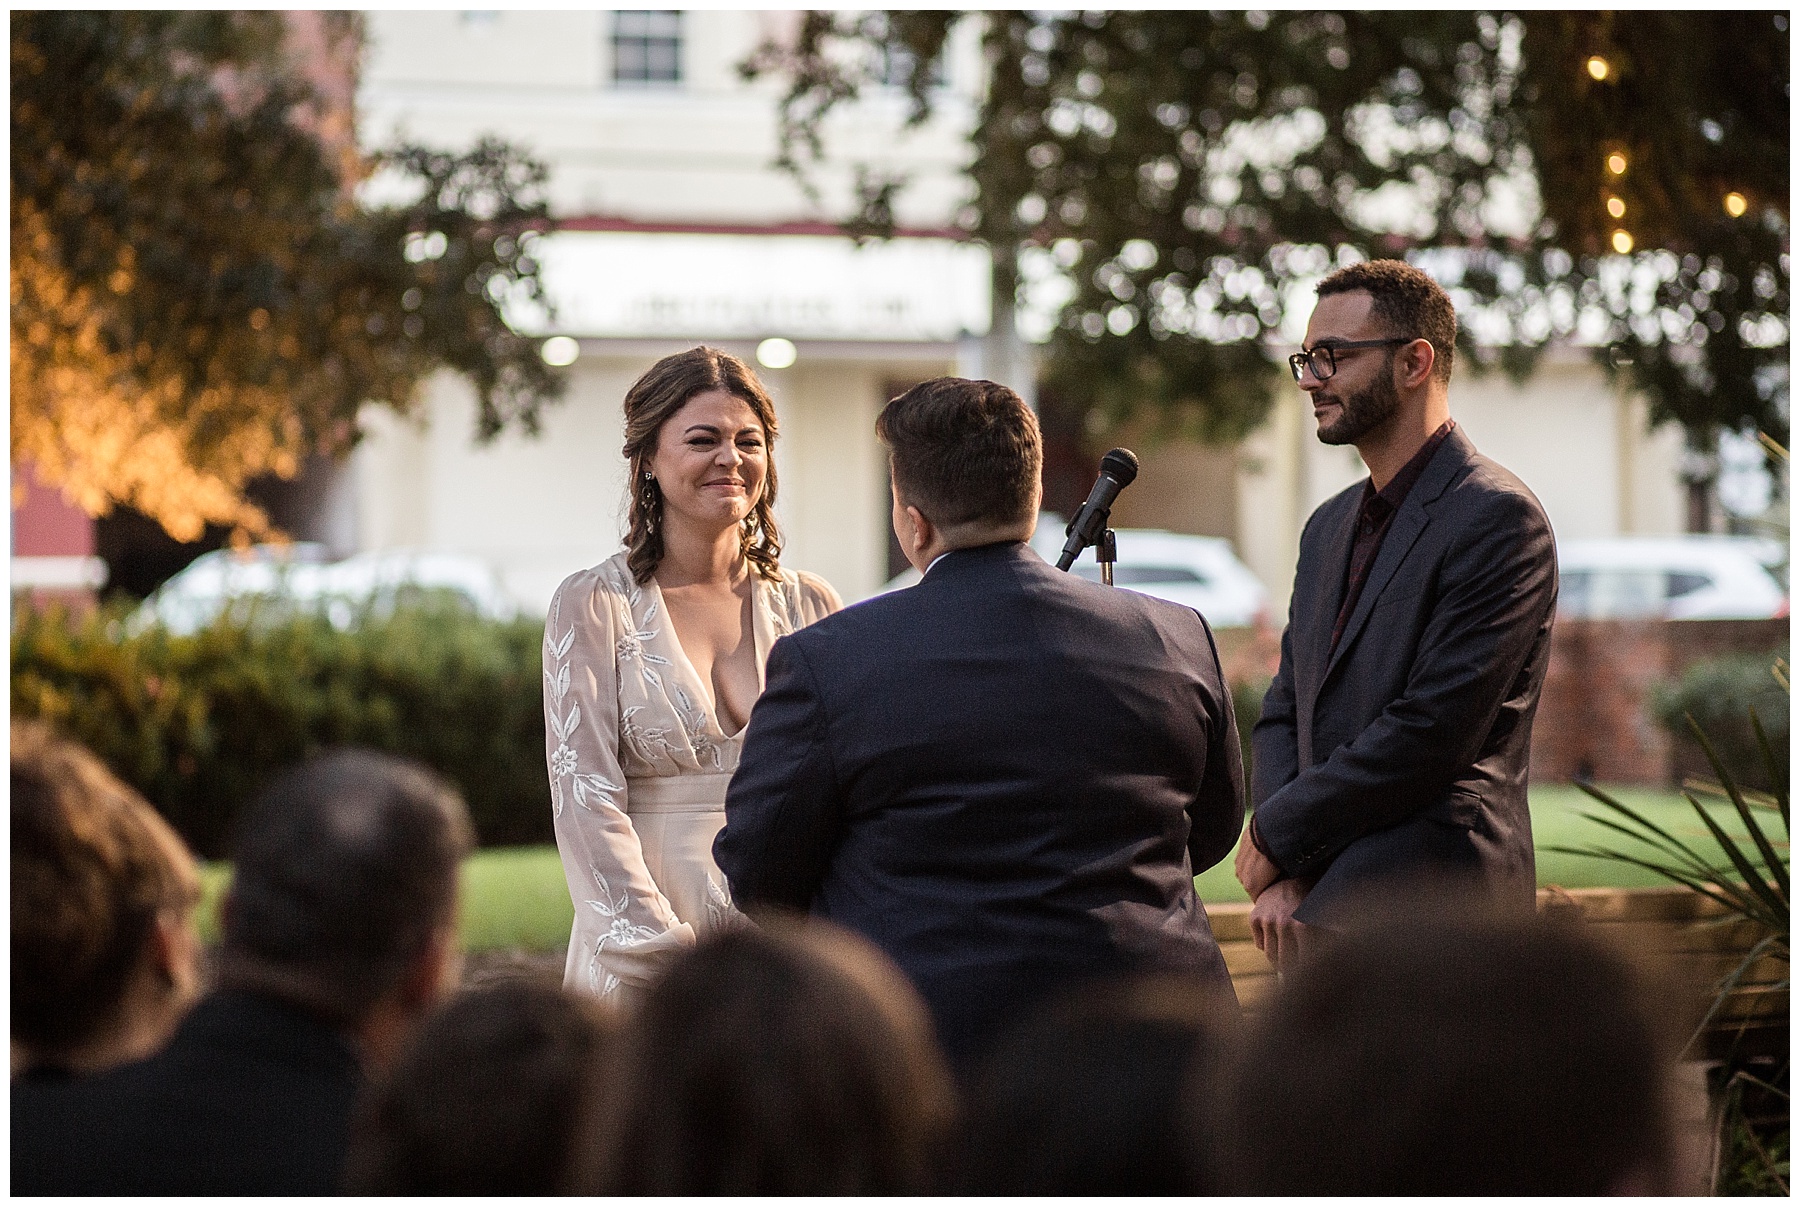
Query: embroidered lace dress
x: 639, y: 765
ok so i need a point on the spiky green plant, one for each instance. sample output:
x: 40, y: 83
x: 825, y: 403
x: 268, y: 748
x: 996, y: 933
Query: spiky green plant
x: 1751, y: 882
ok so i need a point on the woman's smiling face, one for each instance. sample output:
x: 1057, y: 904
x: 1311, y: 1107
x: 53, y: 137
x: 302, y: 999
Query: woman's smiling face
x: 712, y: 458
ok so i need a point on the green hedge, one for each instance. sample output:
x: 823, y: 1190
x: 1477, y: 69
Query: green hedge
x: 1719, y: 694
x: 198, y: 724
x: 1246, y: 705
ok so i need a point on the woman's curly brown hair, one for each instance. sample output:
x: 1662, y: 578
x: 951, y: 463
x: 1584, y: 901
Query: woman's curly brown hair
x: 652, y: 400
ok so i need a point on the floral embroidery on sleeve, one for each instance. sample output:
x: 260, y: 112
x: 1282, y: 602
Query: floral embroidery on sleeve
x: 621, y: 931
x: 720, y: 911
x: 564, y: 764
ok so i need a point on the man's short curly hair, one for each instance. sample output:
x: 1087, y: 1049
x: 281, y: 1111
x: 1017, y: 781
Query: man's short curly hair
x: 1407, y: 302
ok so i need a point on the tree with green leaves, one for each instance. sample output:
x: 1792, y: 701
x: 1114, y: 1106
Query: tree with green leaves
x: 1167, y: 184
x: 199, y: 296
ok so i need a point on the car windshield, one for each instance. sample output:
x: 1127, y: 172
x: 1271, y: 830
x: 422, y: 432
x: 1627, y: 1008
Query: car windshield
x: 1612, y: 594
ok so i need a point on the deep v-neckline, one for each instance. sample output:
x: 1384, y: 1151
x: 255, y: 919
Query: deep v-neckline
x: 708, y: 698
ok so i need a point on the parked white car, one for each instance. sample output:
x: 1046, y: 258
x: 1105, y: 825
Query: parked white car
x: 282, y: 579
x: 1200, y: 572
x: 1694, y: 577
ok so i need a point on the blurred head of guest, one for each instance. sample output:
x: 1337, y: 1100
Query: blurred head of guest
x: 486, y: 1097
x: 104, y: 954
x: 1091, y: 1096
x: 339, y: 935
x: 1468, y: 1056
x: 784, y: 1060
x: 343, y: 900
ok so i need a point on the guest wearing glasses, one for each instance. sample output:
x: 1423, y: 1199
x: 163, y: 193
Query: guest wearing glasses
x: 1395, y: 739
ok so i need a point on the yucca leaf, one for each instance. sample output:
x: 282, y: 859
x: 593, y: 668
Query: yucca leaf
x: 1769, y: 894
x: 1756, y: 798
x: 1777, y: 780
x: 1672, y: 843
x: 1730, y: 981
x: 1690, y: 860
x: 1717, y: 890
x: 1731, y: 848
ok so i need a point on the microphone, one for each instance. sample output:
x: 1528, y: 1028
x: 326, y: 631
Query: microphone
x: 1117, y: 471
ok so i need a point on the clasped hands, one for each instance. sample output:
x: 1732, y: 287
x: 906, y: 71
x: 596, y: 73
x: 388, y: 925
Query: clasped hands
x: 1275, y: 898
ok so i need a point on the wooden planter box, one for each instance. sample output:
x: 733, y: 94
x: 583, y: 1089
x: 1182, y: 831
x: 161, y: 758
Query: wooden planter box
x: 1679, y: 938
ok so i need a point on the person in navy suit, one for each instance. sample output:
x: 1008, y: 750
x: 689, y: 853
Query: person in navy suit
x: 1006, y: 776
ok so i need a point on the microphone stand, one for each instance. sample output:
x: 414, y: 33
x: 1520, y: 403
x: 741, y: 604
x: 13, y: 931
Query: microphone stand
x: 1106, y: 552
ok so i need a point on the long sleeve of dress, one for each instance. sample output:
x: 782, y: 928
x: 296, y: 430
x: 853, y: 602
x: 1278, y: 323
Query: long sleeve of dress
x: 625, y: 929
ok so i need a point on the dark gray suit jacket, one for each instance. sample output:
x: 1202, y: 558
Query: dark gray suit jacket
x: 1406, y: 750
x: 1006, y: 777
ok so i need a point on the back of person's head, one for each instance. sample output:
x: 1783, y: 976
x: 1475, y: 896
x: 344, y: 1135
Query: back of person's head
x: 486, y: 1098
x: 788, y: 1060
x: 964, y: 452
x: 345, y: 874
x: 1497, y: 1055
x: 1092, y: 1096
x: 102, y: 888
x: 1406, y: 301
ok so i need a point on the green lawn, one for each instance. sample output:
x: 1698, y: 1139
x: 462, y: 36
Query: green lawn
x: 515, y: 896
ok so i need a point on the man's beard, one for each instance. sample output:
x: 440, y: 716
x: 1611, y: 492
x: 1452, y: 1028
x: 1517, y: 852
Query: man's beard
x: 1363, y: 412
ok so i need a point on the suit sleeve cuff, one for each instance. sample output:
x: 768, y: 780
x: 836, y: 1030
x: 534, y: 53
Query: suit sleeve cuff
x: 1256, y: 840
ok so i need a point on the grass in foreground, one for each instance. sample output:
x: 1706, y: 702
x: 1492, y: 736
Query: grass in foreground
x: 515, y: 897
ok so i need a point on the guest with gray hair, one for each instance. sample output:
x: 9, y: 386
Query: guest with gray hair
x: 339, y: 935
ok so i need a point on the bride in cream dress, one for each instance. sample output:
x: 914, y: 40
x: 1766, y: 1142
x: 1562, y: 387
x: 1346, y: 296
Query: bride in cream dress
x: 652, y: 661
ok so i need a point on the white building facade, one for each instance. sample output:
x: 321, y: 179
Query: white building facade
x: 676, y: 230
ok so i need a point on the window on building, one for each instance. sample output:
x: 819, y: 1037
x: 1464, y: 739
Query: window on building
x: 646, y: 47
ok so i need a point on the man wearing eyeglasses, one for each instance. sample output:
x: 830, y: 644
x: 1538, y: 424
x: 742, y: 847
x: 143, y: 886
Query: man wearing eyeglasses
x: 1395, y: 739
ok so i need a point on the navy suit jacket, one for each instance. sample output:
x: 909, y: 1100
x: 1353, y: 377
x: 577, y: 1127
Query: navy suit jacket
x: 1405, y: 752
x: 1005, y: 776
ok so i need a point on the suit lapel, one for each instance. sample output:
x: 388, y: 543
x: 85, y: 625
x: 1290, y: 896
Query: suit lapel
x: 1314, y: 627
x: 1409, y: 522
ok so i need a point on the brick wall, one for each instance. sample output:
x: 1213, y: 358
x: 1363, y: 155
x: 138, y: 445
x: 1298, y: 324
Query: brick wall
x: 1594, y: 717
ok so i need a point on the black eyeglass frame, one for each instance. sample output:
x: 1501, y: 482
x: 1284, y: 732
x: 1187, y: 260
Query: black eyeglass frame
x: 1300, y: 361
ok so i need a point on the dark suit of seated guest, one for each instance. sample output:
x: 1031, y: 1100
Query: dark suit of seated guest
x: 1005, y: 776
x: 339, y: 932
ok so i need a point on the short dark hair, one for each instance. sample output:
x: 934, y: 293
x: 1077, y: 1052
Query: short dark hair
x: 1406, y: 301
x: 786, y: 1059
x: 1091, y: 1096
x: 345, y: 868
x: 92, y: 866
x: 964, y: 451
x: 1490, y: 1055
x: 486, y: 1099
